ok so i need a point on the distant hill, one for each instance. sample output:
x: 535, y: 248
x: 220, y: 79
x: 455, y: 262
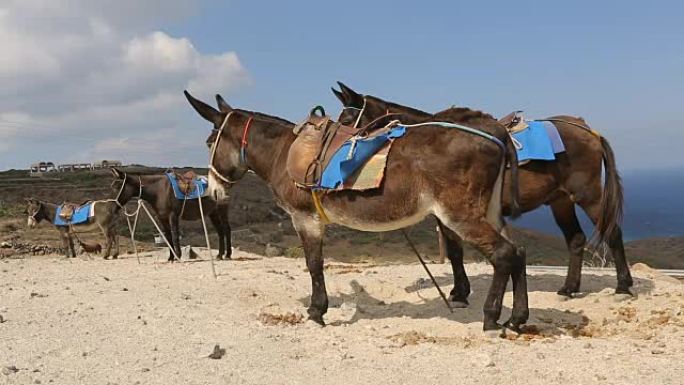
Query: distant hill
x: 652, y: 209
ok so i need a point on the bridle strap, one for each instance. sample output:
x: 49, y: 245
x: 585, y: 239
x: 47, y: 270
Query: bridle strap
x: 243, y: 142
x: 358, y: 118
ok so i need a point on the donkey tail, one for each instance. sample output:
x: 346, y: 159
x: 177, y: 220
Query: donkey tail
x: 512, y: 157
x: 612, y: 198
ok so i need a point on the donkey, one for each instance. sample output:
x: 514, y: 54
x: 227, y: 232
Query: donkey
x: 429, y: 171
x: 574, y: 179
x: 157, y: 191
x: 106, y: 219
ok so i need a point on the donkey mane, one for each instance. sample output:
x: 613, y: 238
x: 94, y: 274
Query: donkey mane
x: 397, y: 106
x: 463, y: 114
x: 262, y: 116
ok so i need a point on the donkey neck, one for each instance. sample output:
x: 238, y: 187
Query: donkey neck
x: 267, y: 147
x: 48, y: 210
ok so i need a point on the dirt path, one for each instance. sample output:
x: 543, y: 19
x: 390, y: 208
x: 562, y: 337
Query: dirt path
x: 117, y: 322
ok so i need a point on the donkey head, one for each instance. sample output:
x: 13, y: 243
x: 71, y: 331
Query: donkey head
x: 34, y: 210
x: 124, y: 186
x: 225, y: 164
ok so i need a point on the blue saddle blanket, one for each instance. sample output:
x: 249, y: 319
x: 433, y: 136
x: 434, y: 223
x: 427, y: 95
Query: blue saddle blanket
x: 201, y: 186
x: 81, y: 215
x: 539, y: 141
x: 353, y: 154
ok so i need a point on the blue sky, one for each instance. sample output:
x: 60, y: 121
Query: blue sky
x: 620, y: 65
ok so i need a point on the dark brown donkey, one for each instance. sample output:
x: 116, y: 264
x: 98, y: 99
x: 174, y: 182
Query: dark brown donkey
x: 105, y: 218
x: 574, y: 179
x: 157, y: 191
x: 442, y: 171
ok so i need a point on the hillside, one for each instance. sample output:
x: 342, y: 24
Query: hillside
x: 256, y: 221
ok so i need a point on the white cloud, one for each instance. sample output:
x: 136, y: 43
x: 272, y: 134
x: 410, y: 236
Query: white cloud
x: 100, y: 75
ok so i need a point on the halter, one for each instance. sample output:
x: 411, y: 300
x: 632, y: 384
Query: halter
x: 243, y: 147
x: 123, y: 184
x: 33, y: 216
x: 361, y: 111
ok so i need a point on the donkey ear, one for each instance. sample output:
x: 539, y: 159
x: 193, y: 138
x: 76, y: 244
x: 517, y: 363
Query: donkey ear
x: 353, y: 99
x: 339, y: 96
x: 222, y: 104
x: 206, y: 111
x: 117, y: 173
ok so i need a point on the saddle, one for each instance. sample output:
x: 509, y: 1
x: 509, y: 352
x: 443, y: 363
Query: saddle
x: 186, y: 181
x: 318, y: 138
x: 514, y: 122
x: 67, y: 211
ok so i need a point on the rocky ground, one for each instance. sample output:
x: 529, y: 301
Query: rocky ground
x: 89, y: 321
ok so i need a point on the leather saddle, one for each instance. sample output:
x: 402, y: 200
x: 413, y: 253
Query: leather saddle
x: 514, y: 122
x: 67, y: 210
x: 318, y: 139
x: 186, y: 181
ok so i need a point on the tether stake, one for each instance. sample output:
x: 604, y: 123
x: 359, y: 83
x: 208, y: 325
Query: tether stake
x: 206, y: 234
x: 422, y: 262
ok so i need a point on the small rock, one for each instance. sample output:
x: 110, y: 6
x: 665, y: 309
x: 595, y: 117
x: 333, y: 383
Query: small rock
x: 218, y: 352
x: 7, y: 370
x: 185, y: 296
x: 37, y: 381
x: 1, y: 319
x: 657, y: 351
x: 124, y: 289
x: 623, y: 297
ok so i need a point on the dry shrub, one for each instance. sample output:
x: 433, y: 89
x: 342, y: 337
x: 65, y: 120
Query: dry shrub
x: 287, y: 318
x: 414, y: 338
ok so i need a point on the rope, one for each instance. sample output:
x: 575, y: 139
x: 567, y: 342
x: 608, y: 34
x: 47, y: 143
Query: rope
x: 460, y: 127
x: 422, y: 262
x: 206, y: 235
x: 173, y: 251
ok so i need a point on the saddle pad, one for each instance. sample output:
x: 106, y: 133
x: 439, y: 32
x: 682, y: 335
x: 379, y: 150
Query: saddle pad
x: 201, y: 185
x: 360, y: 163
x: 81, y: 215
x: 539, y: 141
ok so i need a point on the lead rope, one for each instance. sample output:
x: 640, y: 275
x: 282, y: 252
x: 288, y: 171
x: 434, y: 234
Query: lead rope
x: 422, y: 262
x: 206, y: 233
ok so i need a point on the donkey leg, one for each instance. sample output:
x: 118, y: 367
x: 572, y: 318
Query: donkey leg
x: 175, y: 235
x: 617, y: 249
x: 459, y: 294
x: 227, y: 233
x: 72, y: 250
x: 216, y: 222
x: 624, y: 276
x: 503, y: 256
x: 115, y: 240
x: 311, y: 232
x: 65, y: 243
x: 563, y: 210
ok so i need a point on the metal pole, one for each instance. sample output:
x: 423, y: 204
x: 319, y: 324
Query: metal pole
x: 422, y: 262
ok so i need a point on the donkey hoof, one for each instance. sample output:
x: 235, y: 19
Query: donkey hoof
x: 458, y: 303
x: 316, y: 316
x: 565, y: 292
x: 514, y: 325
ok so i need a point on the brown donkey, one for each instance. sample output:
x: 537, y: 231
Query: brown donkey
x: 105, y: 218
x: 441, y: 171
x: 157, y: 191
x: 574, y: 179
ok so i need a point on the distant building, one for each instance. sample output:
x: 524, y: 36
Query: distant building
x: 37, y: 169
x: 74, y: 167
x: 106, y: 164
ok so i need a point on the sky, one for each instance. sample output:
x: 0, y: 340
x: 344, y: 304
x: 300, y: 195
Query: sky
x: 82, y: 80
